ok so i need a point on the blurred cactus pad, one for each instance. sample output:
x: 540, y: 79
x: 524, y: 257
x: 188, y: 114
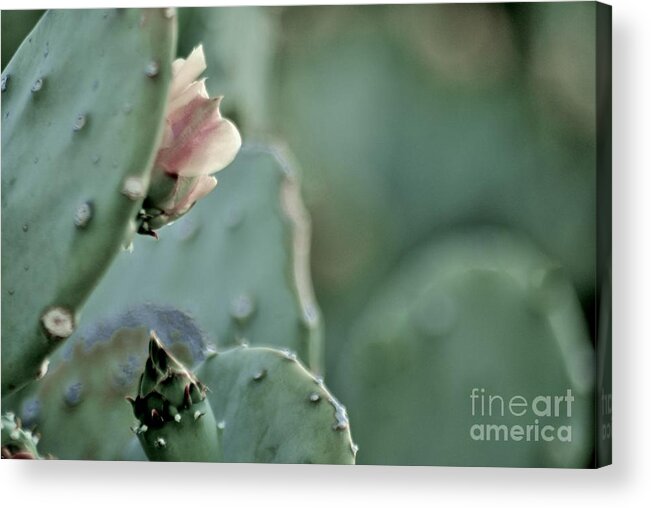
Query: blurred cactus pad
x: 398, y: 267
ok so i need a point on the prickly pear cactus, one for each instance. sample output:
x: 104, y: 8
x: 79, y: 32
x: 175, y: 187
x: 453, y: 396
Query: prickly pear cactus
x: 238, y: 263
x: 17, y: 443
x: 175, y: 421
x: 270, y: 409
x: 83, y: 101
x: 481, y: 313
x: 79, y: 407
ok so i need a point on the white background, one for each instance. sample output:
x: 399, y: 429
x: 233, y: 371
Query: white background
x: 627, y: 483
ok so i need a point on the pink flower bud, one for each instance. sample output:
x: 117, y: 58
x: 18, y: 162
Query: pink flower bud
x: 197, y: 142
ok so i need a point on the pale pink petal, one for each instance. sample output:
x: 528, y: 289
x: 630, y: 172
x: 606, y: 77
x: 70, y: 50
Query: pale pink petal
x: 205, y: 185
x: 188, y: 71
x: 196, y: 89
x: 202, y: 187
x: 168, y: 136
x: 218, y: 149
x: 191, y: 126
x: 176, y: 66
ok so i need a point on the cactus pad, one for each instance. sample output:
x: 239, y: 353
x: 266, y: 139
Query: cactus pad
x: 83, y: 102
x: 483, y: 311
x: 270, y: 409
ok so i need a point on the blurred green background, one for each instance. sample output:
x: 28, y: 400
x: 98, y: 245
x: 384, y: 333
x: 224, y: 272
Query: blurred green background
x: 433, y: 136
x: 448, y: 157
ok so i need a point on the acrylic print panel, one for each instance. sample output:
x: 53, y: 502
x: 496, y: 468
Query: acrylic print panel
x: 400, y: 261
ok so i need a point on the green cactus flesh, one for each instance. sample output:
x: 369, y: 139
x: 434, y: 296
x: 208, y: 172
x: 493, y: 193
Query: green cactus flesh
x: 238, y: 263
x: 270, y: 409
x: 175, y: 421
x: 83, y: 101
x: 17, y: 443
x: 483, y: 310
x: 79, y: 407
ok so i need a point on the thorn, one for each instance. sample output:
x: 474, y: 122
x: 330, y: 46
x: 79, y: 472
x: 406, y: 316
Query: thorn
x: 198, y: 414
